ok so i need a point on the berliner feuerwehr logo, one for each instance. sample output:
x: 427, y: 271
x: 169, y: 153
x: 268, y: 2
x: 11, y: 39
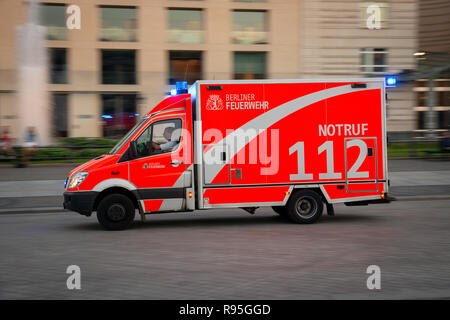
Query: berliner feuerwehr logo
x: 214, y: 103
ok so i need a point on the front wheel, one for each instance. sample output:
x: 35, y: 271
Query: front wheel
x: 115, y: 212
x: 305, y: 206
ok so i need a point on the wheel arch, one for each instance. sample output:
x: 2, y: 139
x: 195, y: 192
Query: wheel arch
x: 113, y: 190
x: 316, y: 189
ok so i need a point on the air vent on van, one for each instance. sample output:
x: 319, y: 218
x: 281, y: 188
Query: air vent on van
x: 214, y: 88
x: 359, y: 85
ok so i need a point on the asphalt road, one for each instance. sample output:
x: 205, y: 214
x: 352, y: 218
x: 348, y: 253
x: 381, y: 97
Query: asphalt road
x: 229, y: 254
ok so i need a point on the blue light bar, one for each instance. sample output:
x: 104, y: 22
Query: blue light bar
x: 173, y: 92
x: 181, y: 87
x: 391, y: 81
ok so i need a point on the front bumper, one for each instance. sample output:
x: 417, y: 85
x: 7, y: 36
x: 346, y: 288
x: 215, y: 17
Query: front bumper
x: 81, y: 201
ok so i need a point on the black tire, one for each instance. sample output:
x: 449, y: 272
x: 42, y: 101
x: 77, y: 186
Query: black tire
x: 115, y: 212
x: 281, y: 210
x: 305, y: 206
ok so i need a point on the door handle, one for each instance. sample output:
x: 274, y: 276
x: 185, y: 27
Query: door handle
x: 176, y: 163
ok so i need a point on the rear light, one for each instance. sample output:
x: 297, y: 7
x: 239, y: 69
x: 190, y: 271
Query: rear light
x: 190, y: 194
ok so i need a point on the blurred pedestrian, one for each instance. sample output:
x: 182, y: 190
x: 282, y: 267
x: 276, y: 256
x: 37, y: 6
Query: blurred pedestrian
x: 30, y: 145
x: 6, y: 143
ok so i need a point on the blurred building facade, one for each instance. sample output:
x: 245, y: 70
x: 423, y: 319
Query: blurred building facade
x: 128, y: 53
x: 434, y: 26
x: 433, y: 66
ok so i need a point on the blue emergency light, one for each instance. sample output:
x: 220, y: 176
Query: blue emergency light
x: 391, y: 81
x: 180, y: 88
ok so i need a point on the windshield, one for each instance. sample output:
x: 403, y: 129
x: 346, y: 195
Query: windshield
x: 127, y: 136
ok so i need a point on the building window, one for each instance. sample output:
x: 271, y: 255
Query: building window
x: 53, y: 17
x: 185, y: 66
x: 421, y: 98
x: 444, y: 98
x: 249, y: 65
x: 249, y: 27
x: 59, y: 114
x: 373, y: 60
x: 443, y: 83
x: 118, y: 114
x: 118, y: 24
x: 368, y: 16
x: 185, y: 25
x: 118, y: 67
x: 58, y: 65
x: 420, y: 120
x: 446, y: 119
x: 421, y: 83
x: 443, y: 119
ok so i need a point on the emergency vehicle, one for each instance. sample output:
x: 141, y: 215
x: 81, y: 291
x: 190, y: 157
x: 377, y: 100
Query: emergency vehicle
x: 293, y: 145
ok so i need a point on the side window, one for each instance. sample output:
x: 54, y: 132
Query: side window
x: 143, y: 145
x: 166, y: 136
x: 159, y: 137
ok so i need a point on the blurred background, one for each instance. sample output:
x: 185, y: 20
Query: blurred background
x: 75, y: 75
x: 104, y: 63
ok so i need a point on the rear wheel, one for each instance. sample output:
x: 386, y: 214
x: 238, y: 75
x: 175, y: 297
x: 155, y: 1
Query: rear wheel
x: 305, y: 206
x: 281, y: 210
x: 115, y: 212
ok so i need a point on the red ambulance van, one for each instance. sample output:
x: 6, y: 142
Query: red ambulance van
x: 294, y: 145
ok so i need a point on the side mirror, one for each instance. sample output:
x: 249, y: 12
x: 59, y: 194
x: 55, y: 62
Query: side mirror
x: 133, y: 150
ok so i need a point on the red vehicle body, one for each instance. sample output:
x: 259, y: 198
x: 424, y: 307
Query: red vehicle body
x: 294, y: 145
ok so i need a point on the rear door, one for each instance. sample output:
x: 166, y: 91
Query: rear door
x: 361, y: 164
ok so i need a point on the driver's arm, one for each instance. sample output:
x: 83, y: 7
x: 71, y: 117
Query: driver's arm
x: 156, y: 146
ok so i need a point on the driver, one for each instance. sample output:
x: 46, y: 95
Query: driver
x: 170, y: 144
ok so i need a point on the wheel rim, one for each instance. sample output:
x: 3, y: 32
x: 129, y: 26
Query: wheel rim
x: 306, y: 207
x: 116, y: 212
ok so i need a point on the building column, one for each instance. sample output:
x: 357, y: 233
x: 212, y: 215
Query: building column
x: 84, y: 115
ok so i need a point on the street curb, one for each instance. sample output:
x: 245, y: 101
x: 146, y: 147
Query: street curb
x: 444, y: 158
x: 422, y: 198
x: 60, y: 209
x: 31, y: 165
x: 32, y: 210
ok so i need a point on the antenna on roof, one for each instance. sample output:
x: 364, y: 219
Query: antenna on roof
x: 186, y: 72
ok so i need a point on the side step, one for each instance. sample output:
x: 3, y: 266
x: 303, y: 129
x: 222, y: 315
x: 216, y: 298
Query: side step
x: 250, y: 210
x: 367, y: 202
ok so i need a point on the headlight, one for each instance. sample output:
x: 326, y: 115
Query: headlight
x: 77, y: 179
